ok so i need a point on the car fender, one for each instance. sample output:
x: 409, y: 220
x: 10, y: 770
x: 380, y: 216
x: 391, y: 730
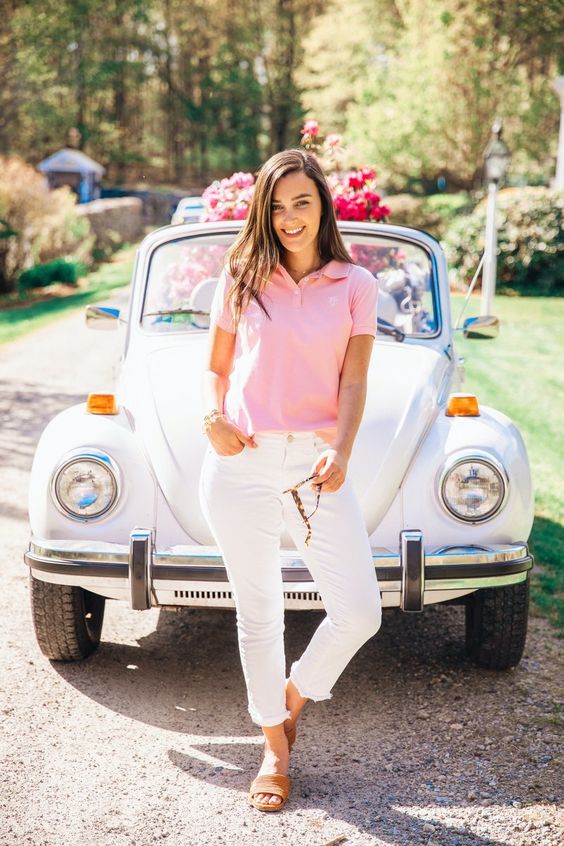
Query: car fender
x: 491, y: 433
x: 75, y: 428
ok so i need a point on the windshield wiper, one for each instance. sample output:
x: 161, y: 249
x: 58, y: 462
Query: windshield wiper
x: 175, y: 311
x: 387, y: 328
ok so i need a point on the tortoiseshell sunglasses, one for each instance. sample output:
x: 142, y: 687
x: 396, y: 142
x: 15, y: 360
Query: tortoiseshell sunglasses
x: 294, y: 491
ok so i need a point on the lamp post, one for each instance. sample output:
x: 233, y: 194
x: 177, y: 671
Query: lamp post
x: 558, y: 85
x: 496, y: 159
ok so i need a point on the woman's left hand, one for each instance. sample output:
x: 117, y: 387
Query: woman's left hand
x: 332, y: 468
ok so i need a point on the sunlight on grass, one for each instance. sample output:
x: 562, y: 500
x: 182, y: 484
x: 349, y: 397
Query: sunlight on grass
x: 520, y: 373
x: 15, y: 322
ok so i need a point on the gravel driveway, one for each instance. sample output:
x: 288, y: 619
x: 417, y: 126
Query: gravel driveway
x: 149, y: 742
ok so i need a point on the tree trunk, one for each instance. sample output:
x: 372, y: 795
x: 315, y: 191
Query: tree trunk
x: 120, y: 93
x: 9, y: 87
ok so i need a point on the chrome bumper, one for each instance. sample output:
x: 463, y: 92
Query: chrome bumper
x: 196, y: 575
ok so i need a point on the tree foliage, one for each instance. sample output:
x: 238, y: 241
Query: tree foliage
x: 36, y: 224
x: 530, y: 224
x: 428, y: 78
x: 157, y: 89
x: 186, y: 90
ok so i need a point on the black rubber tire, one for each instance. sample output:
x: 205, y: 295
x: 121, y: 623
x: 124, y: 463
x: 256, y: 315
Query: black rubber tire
x: 496, y: 625
x: 67, y: 619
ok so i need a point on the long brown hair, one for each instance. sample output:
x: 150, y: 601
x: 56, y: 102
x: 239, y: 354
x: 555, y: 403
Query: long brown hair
x: 257, y: 249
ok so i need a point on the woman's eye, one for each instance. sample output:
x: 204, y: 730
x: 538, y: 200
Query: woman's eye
x: 299, y: 203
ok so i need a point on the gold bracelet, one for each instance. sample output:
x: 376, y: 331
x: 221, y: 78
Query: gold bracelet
x: 211, y: 418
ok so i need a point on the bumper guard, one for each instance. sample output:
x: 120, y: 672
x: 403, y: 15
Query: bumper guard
x: 195, y: 575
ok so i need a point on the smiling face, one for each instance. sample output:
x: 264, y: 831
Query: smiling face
x: 296, y: 213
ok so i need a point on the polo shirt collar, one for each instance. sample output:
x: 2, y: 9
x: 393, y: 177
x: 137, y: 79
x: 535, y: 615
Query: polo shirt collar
x: 333, y: 270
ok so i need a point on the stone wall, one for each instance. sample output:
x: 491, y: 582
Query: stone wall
x: 113, y: 222
x: 158, y: 206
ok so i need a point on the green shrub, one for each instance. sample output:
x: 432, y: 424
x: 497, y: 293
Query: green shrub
x: 405, y: 209
x: 433, y: 214
x: 37, y: 224
x: 530, y: 242
x: 53, y: 271
x: 449, y: 206
x: 5, y: 230
x: 107, y: 245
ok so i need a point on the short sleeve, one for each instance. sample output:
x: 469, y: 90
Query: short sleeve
x: 364, y: 301
x: 221, y: 309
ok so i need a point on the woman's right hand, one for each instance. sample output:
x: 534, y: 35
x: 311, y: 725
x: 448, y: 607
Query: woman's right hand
x: 227, y: 439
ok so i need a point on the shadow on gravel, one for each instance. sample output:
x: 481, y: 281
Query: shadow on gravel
x: 24, y: 413
x: 412, y: 733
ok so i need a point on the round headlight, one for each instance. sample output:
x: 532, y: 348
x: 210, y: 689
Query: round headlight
x: 473, y: 488
x: 86, y: 486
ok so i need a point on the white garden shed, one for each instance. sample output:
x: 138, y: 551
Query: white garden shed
x: 76, y: 169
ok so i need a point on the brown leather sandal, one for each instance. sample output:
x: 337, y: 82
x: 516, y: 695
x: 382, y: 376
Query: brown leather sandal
x: 275, y: 784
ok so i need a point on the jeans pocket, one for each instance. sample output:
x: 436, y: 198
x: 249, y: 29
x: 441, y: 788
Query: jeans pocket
x: 234, y: 455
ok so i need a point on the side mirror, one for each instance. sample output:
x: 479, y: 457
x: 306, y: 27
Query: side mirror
x: 102, y: 317
x: 485, y: 326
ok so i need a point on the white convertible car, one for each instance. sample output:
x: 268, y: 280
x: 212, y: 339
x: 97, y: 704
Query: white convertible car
x: 443, y: 480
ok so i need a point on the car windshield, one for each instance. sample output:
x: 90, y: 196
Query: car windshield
x: 183, y: 275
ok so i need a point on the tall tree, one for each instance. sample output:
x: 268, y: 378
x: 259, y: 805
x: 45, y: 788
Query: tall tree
x: 10, y: 88
x: 210, y: 87
x: 437, y: 73
x: 81, y: 65
x: 283, y: 25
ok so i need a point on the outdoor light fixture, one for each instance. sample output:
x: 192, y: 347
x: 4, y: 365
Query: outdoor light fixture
x: 558, y: 86
x: 496, y: 160
x: 496, y: 155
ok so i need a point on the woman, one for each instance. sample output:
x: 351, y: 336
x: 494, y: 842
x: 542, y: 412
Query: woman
x: 292, y: 327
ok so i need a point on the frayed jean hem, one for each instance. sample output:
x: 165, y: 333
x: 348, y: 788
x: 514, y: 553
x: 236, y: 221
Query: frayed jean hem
x: 306, y: 694
x: 268, y: 722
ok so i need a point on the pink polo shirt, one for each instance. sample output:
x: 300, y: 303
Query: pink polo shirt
x: 286, y: 370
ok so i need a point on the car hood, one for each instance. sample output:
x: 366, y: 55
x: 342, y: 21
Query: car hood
x: 163, y: 401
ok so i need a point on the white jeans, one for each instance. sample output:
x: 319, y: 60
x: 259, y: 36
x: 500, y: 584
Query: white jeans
x: 242, y: 500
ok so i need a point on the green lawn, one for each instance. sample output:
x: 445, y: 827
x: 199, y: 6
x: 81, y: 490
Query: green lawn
x: 19, y: 320
x: 521, y: 374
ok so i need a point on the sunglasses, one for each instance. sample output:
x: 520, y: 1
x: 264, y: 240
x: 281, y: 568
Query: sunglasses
x: 294, y: 491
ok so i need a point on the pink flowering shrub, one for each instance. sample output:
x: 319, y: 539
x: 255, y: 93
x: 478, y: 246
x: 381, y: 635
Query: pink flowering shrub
x: 309, y: 131
x: 354, y: 192
x: 229, y: 198
x: 354, y: 196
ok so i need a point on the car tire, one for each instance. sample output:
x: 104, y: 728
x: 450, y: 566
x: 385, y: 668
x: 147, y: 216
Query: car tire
x: 67, y: 620
x: 496, y: 625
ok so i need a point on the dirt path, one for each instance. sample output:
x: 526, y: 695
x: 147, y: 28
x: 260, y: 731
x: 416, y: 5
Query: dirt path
x: 149, y: 742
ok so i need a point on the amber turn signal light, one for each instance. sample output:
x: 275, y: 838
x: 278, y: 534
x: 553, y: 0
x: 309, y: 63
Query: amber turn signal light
x: 462, y: 405
x: 101, y: 404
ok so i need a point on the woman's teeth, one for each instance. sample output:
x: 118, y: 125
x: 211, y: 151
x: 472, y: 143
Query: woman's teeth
x: 294, y: 231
